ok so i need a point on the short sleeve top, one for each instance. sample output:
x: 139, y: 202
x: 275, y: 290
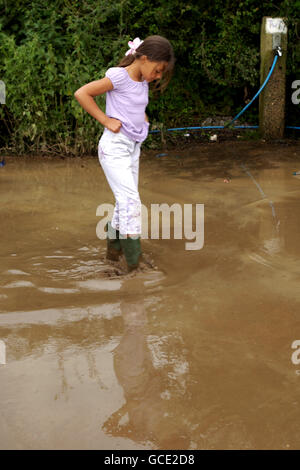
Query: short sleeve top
x: 127, y: 102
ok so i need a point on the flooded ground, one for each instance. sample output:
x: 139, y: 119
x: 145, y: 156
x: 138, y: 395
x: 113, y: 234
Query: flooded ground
x: 194, y: 353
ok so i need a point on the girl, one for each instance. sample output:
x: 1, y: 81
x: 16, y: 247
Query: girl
x: 125, y: 128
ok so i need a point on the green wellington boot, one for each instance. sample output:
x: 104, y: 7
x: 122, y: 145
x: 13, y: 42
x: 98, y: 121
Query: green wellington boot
x: 113, y: 244
x: 131, y: 248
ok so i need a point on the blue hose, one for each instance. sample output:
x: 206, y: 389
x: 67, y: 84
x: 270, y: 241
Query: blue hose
x: 237, y: 116
x: 258, y: 93
x: 202, y: 127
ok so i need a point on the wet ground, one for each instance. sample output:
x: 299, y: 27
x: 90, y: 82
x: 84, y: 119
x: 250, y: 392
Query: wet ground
x: 192, y: 353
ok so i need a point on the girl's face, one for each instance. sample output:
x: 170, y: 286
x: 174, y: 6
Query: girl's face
x: 152, y: 70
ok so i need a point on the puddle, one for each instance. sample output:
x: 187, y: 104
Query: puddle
x: 191, y: 353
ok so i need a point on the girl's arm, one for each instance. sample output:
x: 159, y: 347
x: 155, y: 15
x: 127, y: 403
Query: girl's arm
x: 84, y: 96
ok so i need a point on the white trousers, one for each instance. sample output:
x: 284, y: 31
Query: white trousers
x: 119, y: 158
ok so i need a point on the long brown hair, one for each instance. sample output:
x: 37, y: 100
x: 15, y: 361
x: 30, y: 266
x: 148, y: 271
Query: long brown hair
x: 157, y: 49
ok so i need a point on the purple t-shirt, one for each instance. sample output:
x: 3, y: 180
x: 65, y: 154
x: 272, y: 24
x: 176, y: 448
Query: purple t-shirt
x: 127, y: 102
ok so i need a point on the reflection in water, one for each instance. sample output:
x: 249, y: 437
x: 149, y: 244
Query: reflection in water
x: 273, y: 241
x: 146, y: 415
x: 200, y: 361
x: 269, y: 226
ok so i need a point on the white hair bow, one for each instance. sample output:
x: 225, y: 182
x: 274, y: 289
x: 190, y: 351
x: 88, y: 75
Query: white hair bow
x: 133, y: 46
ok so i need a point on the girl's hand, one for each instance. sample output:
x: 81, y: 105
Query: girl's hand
x: 113, y: 125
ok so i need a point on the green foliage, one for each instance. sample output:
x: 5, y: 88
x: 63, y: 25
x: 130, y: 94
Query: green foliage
x: 50, y: 49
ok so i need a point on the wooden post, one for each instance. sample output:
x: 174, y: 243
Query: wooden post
x: 272, y: 98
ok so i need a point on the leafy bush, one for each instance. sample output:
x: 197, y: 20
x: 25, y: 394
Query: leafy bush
x: 49, y: 49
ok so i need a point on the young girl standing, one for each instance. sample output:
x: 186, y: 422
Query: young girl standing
x: 125, y: 128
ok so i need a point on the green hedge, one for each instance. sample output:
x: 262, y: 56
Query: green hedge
x: 49, y: 49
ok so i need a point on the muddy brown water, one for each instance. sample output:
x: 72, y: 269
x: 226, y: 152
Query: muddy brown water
x: 192, y: 353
